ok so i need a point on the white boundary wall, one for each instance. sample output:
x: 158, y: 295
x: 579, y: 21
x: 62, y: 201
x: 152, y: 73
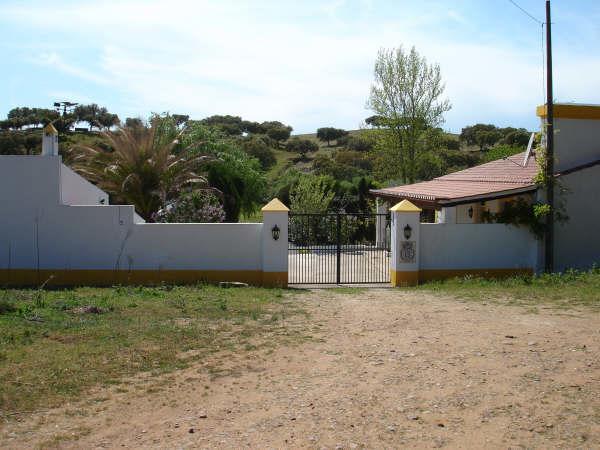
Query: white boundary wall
x: 38, y: 231
x: 577, y: 242
x: 75, y: 190
x: 476, y: 246
x: 576, y: 142
x: 430, y: 251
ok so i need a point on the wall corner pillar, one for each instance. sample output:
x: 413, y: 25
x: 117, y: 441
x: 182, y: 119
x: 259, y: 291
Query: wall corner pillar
x: 405, y: 234
x: 274, y: 244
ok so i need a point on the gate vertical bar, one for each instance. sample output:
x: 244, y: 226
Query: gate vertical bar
x: 339, y: 246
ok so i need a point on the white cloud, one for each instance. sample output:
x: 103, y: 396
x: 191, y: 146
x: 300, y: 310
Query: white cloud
x: 456, y: 16
x: 54, y: 60
x: 264, y: 61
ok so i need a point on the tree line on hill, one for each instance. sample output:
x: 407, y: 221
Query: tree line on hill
x: 222, y: 167
x: 485, y: 136
x: 236, y: 155
x: 92, y: 114
x: 211, y: 169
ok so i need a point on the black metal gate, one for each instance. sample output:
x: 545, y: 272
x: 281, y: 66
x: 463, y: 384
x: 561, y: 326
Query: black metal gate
x: 339, y: 248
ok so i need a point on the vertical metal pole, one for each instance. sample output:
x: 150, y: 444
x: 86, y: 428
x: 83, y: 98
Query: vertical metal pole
x: 339, y: 246
x: 549, y: 242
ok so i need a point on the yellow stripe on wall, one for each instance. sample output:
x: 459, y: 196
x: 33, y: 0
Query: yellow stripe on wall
x: 78, y: 277
x: 590, y: 112
x: 404, y: 278
x: 275, y: 279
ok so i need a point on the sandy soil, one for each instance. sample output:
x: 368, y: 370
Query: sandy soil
x: 384, y: 369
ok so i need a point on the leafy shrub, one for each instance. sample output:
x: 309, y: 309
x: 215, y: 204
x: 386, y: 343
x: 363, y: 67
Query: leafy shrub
x: 234, y: 173
x: 520, y: 212
x: 449, y: 142
x: 356, y: 143
x: 6, y: 306
x: 312, y: 194
x: 501, y: 151
x: 230, y: 125
x: 354, y: 159
x: 257, y: 147
x: 457, y: 158
x: 429, y: 165
x: 325, y: 165
x: 193, y: 207
x: 284, y: 184
x: 517, y: 138
x: 302, y: 146
x: 276, y: 130
x: 20, y: 142
x: 328, y: 134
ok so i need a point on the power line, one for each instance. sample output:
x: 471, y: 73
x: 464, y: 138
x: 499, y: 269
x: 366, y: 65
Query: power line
x: 539, y: 22
x: 531, y: 16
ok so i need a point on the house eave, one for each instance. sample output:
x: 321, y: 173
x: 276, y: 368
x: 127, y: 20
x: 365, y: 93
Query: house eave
x: 438, y: 202
x: 426, y: 201
x: 487, y: 197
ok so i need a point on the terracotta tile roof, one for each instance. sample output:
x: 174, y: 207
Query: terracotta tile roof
x: 509, y: 170
x: 490, y: 178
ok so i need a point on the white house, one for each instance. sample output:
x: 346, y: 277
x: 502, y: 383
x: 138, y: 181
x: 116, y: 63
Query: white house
x: 464, y: 197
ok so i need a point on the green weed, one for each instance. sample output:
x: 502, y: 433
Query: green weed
x: 7, y: 306
x: 562, y: 290
x: 54, y: 346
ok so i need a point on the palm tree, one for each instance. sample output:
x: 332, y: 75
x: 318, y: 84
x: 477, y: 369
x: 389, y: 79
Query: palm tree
x: 145, y: 166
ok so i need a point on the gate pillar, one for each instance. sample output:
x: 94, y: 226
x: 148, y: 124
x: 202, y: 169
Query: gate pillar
x: 404, y: 264
x: 274, y: 245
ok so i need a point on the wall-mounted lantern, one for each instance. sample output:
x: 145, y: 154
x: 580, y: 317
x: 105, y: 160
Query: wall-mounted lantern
x: 407, y: 232
x: 275, y: 232
x: 470, y: 212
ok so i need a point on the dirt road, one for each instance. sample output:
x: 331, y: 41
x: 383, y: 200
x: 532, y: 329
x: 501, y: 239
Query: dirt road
x: 382, y: 369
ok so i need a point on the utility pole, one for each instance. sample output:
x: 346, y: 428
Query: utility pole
x: 549, y: 241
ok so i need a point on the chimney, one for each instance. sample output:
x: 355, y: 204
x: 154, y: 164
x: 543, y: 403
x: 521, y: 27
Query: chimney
x: 50, y: 141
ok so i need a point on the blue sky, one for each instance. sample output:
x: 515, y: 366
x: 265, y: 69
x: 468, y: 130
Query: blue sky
x: 308, y: 65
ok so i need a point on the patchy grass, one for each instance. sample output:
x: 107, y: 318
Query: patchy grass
x: 53, y: 346
x: 564, y: 290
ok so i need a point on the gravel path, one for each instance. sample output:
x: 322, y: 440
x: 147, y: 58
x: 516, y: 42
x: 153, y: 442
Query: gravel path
x: 382, y: 369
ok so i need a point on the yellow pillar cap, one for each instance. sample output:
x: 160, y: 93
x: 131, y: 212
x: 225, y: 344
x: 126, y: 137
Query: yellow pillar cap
x: 405, y: 206
x: 49, y: 129
x: 275, y: 205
